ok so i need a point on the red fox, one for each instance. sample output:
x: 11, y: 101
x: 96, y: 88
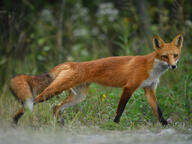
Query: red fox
x: 127, y: 72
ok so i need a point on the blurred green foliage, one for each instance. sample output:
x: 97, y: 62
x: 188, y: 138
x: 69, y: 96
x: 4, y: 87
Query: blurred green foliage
x: 37, y: 35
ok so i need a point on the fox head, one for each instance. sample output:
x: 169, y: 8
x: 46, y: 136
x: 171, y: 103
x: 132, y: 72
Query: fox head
x: 168, y: 53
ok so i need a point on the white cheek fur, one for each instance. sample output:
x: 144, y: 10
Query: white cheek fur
x: 159, y: 61
x: 177, y: 60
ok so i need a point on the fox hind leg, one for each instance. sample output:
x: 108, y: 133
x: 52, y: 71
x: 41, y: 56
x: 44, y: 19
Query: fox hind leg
x: 64, y: 81
x: 76, y: 95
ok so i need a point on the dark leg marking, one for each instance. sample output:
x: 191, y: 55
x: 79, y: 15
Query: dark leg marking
x: 120, y: 111
x: 122, y: 103
x: 161, y: 118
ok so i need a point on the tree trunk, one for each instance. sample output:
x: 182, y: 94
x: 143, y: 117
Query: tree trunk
x: 144, y: 21
x: 60, y: 31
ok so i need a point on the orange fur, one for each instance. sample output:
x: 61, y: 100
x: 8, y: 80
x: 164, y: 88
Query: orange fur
x: 128, y: 72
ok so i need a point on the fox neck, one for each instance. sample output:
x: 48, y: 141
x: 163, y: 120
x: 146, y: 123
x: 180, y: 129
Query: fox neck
x: 158, y: 68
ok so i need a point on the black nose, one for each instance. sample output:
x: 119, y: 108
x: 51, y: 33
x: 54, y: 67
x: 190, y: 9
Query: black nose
x: 173, y: 66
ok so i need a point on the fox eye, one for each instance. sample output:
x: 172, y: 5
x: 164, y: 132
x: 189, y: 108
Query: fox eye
x: 164, y: 56
x: 175, y: 55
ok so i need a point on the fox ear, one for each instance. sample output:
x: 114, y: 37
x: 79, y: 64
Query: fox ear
x: 157, y: 42
x: 178, y: 40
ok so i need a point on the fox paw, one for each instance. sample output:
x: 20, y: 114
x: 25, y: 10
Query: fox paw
x: 169, y: 120
x: 61, y: 121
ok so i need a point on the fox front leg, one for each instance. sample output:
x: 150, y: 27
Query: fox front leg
x: 151, y: 97
x: 125, y: 96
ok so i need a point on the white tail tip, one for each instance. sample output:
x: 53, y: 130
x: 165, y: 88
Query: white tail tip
x: 29, y: 104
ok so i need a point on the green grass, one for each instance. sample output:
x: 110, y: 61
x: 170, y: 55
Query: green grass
x: 99, y: 109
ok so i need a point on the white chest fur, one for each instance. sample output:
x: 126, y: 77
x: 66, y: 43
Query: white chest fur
x: 158, y: 69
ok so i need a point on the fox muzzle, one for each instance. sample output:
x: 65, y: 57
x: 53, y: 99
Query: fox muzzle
x: 173, y: 66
